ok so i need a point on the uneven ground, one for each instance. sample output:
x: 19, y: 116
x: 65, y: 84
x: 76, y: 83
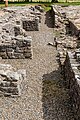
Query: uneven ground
x: 44, y: 96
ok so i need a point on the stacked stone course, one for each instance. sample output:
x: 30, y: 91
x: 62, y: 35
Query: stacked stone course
x: 11, y: 80
x: 19, y: 47
x: 16, y: 44
x: 14, y: 41
x: 72, y: 82
x: 67, y: 26
x: 30, y: 25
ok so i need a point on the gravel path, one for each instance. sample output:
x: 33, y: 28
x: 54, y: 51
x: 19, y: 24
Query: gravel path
x: 1, y: 13
x: 43, y: 96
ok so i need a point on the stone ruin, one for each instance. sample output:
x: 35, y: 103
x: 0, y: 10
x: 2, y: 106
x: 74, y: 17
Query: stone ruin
x: 14, y: 24
x: 67, y: 27
x: 30, y: 24
x: 16, y: 44
x: 17, y: 48
x: 72, y: 80
x: 11, y: 80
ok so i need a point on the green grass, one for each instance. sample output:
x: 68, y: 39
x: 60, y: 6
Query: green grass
x: 67, y: 3
x: 69, y: 0
x: 45, y: 5
x: 46, y: 8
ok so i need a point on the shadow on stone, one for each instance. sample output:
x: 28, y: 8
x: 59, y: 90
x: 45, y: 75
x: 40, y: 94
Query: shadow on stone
x: 49, y: 19
x: 55, y: 99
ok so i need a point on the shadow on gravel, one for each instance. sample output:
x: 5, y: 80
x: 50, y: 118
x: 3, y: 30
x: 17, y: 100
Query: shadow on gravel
x: 49, y: 19
x: 55, y: 99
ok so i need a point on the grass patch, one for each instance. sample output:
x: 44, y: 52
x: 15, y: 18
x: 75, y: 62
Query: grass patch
x: 45, y: 5
x: 67, y: 3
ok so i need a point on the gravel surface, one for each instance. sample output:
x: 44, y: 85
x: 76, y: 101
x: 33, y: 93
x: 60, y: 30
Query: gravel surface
x: 43, y: 95
x: 1, y: 13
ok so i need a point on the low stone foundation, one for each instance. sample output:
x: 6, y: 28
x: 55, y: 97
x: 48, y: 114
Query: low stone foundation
x: 11, y: 80
x: 14, y: 24
x: 75, y: 30
x: 53, y: 15
x: 72, y: 82
x: 70, y: 16
x: 30, y: 24
x: 18, y: 47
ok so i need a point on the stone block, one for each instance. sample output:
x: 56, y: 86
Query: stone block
x: 16, y: 30
x: 30, y: 25
x: 16, y: 48
x: 38, y: 7
x: 10, y: 81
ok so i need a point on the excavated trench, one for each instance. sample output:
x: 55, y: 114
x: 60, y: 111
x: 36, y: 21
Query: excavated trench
x: 44, y: 95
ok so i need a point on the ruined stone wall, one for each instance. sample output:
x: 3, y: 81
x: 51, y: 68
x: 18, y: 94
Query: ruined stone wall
x: 53, y: 16
x: 30, y: 25
x: 68, y: 54
x: 72, y: 82
x: 20, y: 47
x: 11, y: 80
x: 70, y: 15
x: 14, y: 24
x: 16, y: 44
x: 74, y: 30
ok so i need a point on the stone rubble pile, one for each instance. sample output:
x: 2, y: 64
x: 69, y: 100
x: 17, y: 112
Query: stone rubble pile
x: 11, y: 80
x: 30, y: 24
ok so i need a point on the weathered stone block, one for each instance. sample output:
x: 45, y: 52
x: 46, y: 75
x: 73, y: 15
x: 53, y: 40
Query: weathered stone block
x: 10, y: 81
x: 17, y: 30
x: 30, y: 25
x: 38, y: 7
x: 16, y: 49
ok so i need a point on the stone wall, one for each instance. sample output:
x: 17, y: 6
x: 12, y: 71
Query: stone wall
x: 11, y: 81
x: 14, y: 24
x: 70, y: 15
x: 66, y: 42
x: 72, y: 82
x: 18, y: 47
x: 53, y: 15
x: 30, y: 24
x: 16, y: 44
x: 73, y: 28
